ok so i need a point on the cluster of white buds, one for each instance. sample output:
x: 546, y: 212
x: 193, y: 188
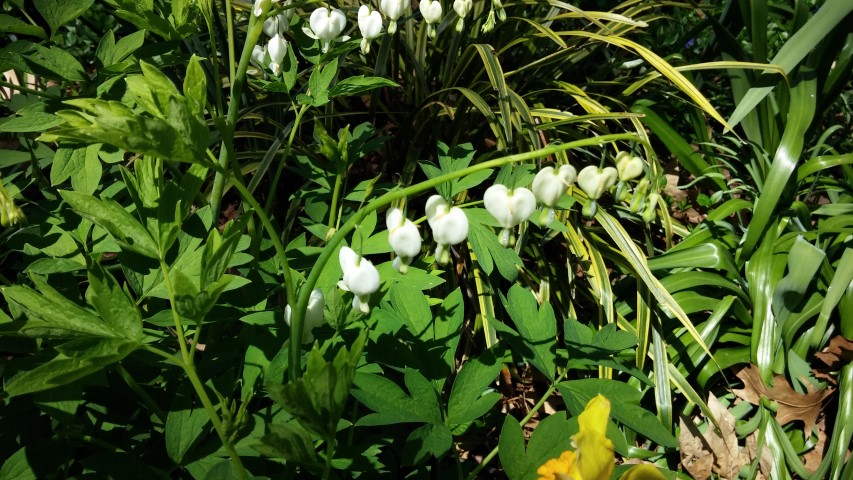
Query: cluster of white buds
x: 509, y: 207
x: 313, y: 315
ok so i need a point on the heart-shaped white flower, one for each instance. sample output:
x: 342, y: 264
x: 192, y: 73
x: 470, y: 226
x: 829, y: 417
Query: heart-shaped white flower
x: 370, y: 24
x: 449, y: 226
x: 404, y: 238
x: 313, y: 315
x: 393, y: 9
x: 549, y: 184
x: 360, y: 277
x: 260, y: 7
x: 509, y: 207
x: 431, y: 11
x: 277, y: 50
x: 628, y: 166
x: 595, y: 181
x: 277, y: 24
x: 326, y: 25
x: 462, y: 8
x: 259, y: 55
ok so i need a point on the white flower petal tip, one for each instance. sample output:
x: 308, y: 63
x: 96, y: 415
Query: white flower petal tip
x: 260, y: 7
x: 628, y: 166
x: 595, y: 181
x: 549, y: 184
x: 360, y: 276
x: 314, y: 316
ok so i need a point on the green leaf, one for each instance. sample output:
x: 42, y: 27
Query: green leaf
x: 469, y: 398
x: 490, y: 252
x: 59, y: 12
x: 195, y: 86
x: 359, y: 84
x: 318, y: 398
x: 551, y: 438
x: 53, y: 315
x: 31, y: 122
x: 18, y: 467
x: 537, y: 327
x: 392, y: 404
x: 113, y: 303
x: 77, y: 359
x: 624, y: 400
x: 184, y: 427
x: 425, y: 442
x: 288, y: 441
x: 88, y: 178
x: 59, y: 62
x: 413, y: 307
x: 319, y: 81
x: 126, y: 230
x: 10, y: 24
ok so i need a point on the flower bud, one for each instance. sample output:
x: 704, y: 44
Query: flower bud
x: 449, y: 226
x: 404, y: 238
x: 261, y: 7
x: 509, y: 207
x: 277, y: 49
x: 313, y: 315
x: 650, y: 213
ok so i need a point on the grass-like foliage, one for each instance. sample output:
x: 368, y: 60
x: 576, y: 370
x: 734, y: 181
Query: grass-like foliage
x: 426, y: 239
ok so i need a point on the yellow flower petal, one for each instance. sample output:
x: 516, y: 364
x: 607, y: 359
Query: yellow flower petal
x: 594, y: 451
x: 595, y: 416
x: 556, y: 468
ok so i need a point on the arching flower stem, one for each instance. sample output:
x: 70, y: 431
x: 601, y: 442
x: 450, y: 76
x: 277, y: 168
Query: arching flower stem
x: 295, y: 352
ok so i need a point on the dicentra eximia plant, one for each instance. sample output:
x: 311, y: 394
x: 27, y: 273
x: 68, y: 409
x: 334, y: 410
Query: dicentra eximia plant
x: 509, y: 207
x: 449, y: 226
x: 327, y: 25
x: 404, y: 238
x: 360, y: 277
x: 549, y: 185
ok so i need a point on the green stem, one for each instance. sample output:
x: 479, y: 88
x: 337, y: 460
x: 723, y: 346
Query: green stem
x: 24, y: 89
x: 143, y: 395
x: 330, y: 452
x: 333, y: 211
x: 226, y: 153
x: 187, y: 364
x: 523, y: 422
x: 298, y: 313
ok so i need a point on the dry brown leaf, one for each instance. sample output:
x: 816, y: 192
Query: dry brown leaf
x: 727, y: 456
x: 792, y: 404
x: 696, y: 456
x: 672, y: 189
x: 838, y: 352
x: 813, y: 457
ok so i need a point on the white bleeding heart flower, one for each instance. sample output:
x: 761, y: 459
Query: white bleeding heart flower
x: 326, y: 26
x: 462, y: 8
x: 313, y: 315
x: 509, y: 207
x: 370, y: 24
x: 393, y: 9
x: 628, y: 166
x: 277, y: 50
x: 360, y: 277
x: 277, y: 24
x: 431, y: 11
x: 549, y: 185
x: 594, y: 182
x: 259, y: 55
x: 449, y: 226
x: 404, y: 238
